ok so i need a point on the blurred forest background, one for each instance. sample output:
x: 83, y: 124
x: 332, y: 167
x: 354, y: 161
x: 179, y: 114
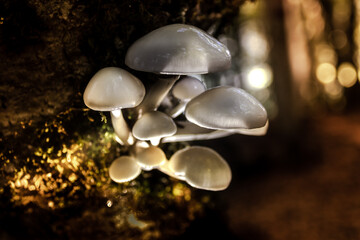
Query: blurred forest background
x: 300, y: 58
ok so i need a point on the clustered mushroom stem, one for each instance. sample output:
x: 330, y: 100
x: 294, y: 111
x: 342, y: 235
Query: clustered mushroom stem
x: 120, y: 127
x: 164, y: 168
x: 155, y: 141
x: 197, y: 136
x: 132, y: 150
x: 176, y: 49
x: 216, y: 134
x: 176, y: 111
x: 156, y: 94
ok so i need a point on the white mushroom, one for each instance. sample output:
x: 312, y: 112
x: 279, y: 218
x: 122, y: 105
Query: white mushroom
x: 124, y: 169
x: 176, y: 49
x: 149, y: 158
x: 153, y: 126
x: 184, y: 90
x: 201, y: 167
x: 226, y: 108
x: 112, y: 89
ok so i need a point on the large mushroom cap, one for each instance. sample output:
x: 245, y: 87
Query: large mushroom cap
x: 124, y: 169
x: 226, y: 108
x: 201, y: 167
x: 153, y: 125
x: 113, y: 88
x: 178, y: 49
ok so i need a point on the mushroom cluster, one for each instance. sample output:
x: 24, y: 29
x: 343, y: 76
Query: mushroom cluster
x: 178, y: 54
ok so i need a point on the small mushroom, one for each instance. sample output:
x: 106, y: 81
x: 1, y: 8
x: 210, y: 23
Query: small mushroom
x: 124, y: 169
x: 226, y: 108
x: 112, y: 89
x: 201, y: 167
x: 149, y: 158
x: 184, y: 90
x: 174, y: 50
x: 153, y: 126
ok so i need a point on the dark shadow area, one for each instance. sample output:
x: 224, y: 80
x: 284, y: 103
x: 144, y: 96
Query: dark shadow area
x: 300, y: 59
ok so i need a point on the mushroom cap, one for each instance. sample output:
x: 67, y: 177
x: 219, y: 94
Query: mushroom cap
x: 226, y: 108
x: 201, y: 167
x: 113, y: 88
x: 178, y: 49
x: 149, y: 158
x: 188, y: 88
x: 124, y: 169
x: 153, y: 125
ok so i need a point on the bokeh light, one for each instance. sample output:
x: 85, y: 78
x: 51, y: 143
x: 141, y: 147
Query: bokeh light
x: 326, y: 73
x: 253, y: 41
x: 334, y: 90
x: 339, y: 38
x: 341, y: 13
x: 347, y: 75
x: 259, y: 77
x: 325, y: 53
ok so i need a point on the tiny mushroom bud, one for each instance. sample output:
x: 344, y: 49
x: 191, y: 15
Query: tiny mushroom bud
x: 149, y: 158
x: 176, y: 49
x: 124, y: 169
x: 226, y: 108
x: 153, y: 126
x: 112, y: 89
x: 184, y: 90
x: 201, y: 167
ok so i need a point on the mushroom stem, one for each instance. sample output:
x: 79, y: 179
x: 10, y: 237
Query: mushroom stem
x: 155, y: 141
x: 197, y: 136
x: 156, y: 94
x: 178, y: 109
x: 164, y: 168
x: 194, y: 134
x: 121, y: 128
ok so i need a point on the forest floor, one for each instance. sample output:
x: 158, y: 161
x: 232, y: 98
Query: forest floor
x: 318, y: 201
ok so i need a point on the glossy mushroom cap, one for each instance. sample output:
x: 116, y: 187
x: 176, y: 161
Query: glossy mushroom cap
x: 124, y: 169
x: 178, y: 49
x: 188, y: 88
x: 149, y: 158
x: 153, y: 125
x: 226, y: 108
x: 202, y: 168
x: 113, y: 88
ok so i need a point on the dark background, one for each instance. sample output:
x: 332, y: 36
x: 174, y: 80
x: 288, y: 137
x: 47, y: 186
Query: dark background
x: 300, y: 181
